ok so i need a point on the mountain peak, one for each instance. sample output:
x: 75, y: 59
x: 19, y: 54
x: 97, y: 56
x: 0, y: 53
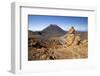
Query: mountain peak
x: 53, y: 29
x: 52, y: 25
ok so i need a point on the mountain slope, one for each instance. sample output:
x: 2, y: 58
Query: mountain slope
x: 53, y: 30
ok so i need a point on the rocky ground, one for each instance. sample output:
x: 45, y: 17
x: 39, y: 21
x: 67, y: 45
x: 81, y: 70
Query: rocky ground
x: 69, y: 46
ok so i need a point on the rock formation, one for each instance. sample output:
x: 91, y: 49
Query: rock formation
x: 73, y: 39
x: 70, y: 36
x: 72, y: 30
x: 76, y: 41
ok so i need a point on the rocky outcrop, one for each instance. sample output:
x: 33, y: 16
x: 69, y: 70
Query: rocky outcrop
x: 76, y: 41
x: 72, y: 39
x: 70, y: 36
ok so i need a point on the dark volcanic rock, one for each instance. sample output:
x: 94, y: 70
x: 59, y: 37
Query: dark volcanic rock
x: 53, y: 30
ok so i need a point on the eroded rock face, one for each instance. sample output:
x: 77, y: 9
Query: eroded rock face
x: 73, y: 39
x: 70, y: 36
x: 77, y: 41
x: 70, y: 39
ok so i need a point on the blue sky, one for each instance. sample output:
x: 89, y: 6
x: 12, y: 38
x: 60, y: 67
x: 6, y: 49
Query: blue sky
x: 39, y: 22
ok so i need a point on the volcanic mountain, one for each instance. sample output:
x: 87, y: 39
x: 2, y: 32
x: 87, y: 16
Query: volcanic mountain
x: 53, y: 30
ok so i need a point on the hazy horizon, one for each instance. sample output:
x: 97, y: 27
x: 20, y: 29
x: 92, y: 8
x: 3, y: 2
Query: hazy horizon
x: 40, y: 22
